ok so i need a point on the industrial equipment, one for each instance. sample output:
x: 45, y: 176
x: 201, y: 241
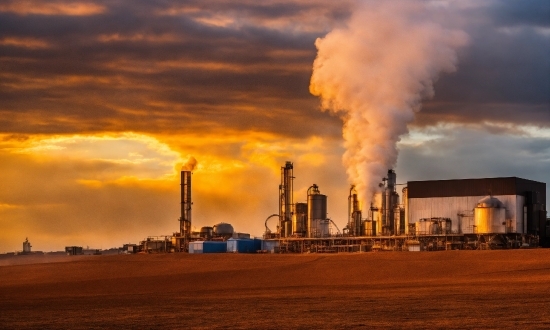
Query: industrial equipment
x: 390, y: 199
x: 184, y: 237
x: 299, y: 220
x: 286, y: 200
x: 489, y: 216
x: 354, y: 213
x: 26, y: 246
x: 222, y: 230
x: 318, y: 224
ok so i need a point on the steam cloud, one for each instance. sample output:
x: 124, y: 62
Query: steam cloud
x: 374, y: 73
x: 190, y: 164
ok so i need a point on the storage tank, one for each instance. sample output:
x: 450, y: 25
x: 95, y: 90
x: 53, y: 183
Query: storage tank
x: 489, y: 216
x: 26, y: 246
x: 206, y: 232
x: 446, y: 226
x: 435, y: 228
x: 222, y: 229
x: 423, y: 227
x: 318, y: 226
x: 368, y: 228
x: 299, y: 219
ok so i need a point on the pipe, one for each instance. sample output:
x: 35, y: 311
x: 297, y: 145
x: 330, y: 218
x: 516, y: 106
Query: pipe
x: 335, y: 226
x: 267, y: 228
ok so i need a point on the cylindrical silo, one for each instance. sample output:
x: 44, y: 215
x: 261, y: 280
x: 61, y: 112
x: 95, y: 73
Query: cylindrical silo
x: 316, y: 212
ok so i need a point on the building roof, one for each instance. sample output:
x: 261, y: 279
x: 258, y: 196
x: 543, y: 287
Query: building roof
x: 478, y: 187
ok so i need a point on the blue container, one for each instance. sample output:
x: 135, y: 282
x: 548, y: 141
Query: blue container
x: 257, y: 244
x: 207, y: 247
x: 240, y: 245
x: 214, y: 247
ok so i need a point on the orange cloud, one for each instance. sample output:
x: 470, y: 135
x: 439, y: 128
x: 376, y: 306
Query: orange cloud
x: 32, y: 43
x: 32, y: 7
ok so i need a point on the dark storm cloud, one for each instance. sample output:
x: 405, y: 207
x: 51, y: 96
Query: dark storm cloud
x: 143, y: 66
x: 168, y: 66
x: 504, y: 75
x: 522, y: 12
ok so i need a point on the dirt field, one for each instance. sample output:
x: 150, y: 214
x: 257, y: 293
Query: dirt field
x: 454, y: 289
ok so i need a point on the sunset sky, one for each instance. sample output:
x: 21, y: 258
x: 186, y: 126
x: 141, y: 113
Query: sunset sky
x: 101, y: 102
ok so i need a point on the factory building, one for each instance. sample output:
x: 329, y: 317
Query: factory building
x: 480, y: 206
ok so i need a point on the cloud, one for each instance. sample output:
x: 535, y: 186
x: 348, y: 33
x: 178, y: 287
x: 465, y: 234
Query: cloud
x: 37, y: 7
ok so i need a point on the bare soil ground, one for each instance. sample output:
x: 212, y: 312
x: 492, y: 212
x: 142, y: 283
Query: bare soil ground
x: 445, y: 290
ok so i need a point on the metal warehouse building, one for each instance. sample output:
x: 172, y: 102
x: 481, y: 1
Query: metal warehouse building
x: 523, y: 202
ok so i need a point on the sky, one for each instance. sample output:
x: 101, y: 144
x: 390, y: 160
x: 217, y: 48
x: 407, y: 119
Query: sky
x: 101, y: 102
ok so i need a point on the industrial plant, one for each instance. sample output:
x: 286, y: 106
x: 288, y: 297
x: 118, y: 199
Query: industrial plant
x: 434, y: 215
x: 488, y: 213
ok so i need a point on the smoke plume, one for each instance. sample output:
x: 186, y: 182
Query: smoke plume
x: 190, y: 164
x: 374, y: 73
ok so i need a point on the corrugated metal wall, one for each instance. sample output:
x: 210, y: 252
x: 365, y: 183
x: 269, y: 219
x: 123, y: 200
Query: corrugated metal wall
x: 450, y: 207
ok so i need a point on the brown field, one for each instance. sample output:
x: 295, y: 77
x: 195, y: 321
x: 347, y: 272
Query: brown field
x: 447, y: 290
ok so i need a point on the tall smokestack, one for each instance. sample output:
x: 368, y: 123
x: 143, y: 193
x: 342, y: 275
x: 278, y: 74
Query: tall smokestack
x: 374, y: 72
x: 185, y: 219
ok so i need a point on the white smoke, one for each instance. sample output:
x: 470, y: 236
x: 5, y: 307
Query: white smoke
x: 374, y: 72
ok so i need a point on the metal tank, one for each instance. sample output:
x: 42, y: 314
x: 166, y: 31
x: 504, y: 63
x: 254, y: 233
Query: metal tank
x: 26, y: 246
x: 423, y: 227
x: 223, y: 229
x: 446, y: 226
x: 206, y: 232
x: 318, y: 226
x: 489, y: 216
x: 299, y: 219
x: 368, y: 228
